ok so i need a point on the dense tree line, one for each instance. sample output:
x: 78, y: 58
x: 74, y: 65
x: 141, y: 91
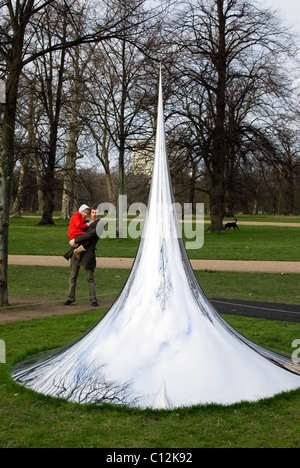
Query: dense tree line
x: 81, y: 93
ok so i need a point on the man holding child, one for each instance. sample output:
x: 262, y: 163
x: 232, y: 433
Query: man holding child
x: 82, y: 253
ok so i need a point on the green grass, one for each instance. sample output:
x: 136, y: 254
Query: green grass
x: 26, y: 237
x: 250, y: 243
x: 270, y: 218
x: 29, y: 420
x: 271, y: 423
x: 51, y: 283
x: 265, y: 218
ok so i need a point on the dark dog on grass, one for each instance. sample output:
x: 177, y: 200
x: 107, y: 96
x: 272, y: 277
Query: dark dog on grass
x: 231, y: 225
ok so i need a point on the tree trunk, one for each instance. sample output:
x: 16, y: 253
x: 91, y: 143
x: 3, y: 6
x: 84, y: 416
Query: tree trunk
x: 48, y: 194
x: 70, y: 166
x: 216, y: 205
x: 6, y: 172
x: 192, y: 186
x: 54, y: 114
x: 39, y: 184
x: 17, y: 206
x: 255, y: 201
x: 105, y: 162
x: 111, y: 197
x: 13, y: 70
x: 4, y: 223
x: 287, y: 184
x: 31, y: 143
x: 217, y: 192
x: 122, y: 140
x: 120, y: 206
x: 49, y: 178
x: 68, y: 198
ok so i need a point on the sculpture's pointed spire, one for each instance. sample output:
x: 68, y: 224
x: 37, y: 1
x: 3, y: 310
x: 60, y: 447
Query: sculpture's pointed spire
x: 161, y: 328
x: 162, y: 401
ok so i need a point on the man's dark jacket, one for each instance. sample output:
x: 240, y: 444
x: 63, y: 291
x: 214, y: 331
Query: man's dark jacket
x: 92, y: 234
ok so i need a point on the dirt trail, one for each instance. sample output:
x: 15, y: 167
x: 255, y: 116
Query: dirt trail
x: 126, y: 263
x: 24, y: 310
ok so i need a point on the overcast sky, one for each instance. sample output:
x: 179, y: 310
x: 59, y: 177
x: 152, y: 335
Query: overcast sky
x: 289, y: 10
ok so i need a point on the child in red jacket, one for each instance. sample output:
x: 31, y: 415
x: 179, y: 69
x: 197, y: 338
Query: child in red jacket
x: 77, y: 224
x: 77, y: 227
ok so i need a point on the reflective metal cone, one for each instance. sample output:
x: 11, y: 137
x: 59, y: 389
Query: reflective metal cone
x: 162, y: 328
x: 162, y: 400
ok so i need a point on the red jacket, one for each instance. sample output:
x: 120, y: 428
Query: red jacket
x: 76, y: 226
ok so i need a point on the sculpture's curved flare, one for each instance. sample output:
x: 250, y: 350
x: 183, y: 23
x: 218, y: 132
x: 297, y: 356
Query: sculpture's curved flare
x: 162, y: 344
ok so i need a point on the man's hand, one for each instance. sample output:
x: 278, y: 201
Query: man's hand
x: 72, y: 243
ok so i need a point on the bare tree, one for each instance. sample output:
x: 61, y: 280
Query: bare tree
x: 20, y: 21
x: 231, y: 46
x: 28, y: 154
x: 79, y: 63
x: 117, y: 92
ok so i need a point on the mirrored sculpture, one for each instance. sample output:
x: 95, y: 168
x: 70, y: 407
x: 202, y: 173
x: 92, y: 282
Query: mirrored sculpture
x: 162, y: 344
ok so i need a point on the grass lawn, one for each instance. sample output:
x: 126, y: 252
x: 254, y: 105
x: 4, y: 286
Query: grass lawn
x: 276, y: 243
x: 51, y: 283
x: 29, y: 420
x: 266, y: 218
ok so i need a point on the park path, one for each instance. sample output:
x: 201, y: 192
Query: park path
x: 25, y: 311
x: 245, y: 223
x: 267, y: 223
x: 214, y: 265
x: 126, y: 263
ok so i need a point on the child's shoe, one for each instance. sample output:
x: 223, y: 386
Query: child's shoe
x: 79, y: 251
